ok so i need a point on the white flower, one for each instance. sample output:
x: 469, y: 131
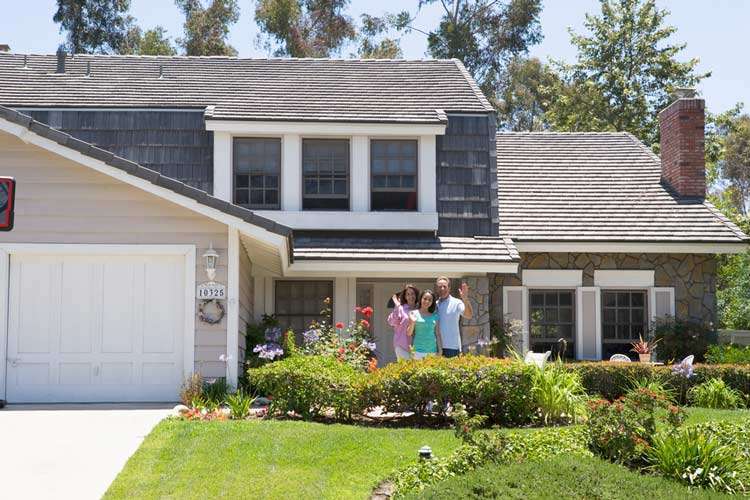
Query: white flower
x: 225, y: 358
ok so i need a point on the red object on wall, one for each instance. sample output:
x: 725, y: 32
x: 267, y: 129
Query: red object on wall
x: 7, y: 200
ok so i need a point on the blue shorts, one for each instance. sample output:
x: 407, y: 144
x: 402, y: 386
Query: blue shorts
x: 451, y: 353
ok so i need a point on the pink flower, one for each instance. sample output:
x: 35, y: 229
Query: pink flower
x: 365, y: 323
x: 339, y: 325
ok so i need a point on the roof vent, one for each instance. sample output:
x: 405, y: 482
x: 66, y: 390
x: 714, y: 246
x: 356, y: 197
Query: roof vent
x: 88, y: 69
x: 4, y: 47
x: 25, y: 61
x: 161, y: 71
x: 60, y: 60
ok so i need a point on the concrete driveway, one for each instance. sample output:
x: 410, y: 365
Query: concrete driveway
x: 69, y: 451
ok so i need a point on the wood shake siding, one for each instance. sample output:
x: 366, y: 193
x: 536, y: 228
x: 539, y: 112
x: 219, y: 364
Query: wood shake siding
x: 60, y: 201
x: 174, y: 143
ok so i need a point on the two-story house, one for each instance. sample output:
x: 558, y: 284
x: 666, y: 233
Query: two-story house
x: 311, y: 179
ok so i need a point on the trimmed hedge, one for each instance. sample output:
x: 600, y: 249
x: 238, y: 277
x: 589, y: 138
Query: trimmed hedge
x: 612, y: 380
x: 499, y: 389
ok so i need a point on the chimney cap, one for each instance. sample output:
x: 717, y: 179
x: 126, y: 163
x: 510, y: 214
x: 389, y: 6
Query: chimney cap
x: 4, y: 47
x: 685, y: 93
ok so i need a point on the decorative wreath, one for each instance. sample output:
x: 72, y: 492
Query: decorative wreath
x: 211, y: 311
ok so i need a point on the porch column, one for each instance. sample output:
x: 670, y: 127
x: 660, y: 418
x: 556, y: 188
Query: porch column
x: 233, y: 310
x: 344, y: 299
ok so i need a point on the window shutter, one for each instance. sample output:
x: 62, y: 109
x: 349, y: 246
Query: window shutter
x: 589, y: 342
x: 516, y: 308
x: 661, y: 302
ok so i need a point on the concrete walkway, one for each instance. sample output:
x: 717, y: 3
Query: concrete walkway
x: 69, y: 451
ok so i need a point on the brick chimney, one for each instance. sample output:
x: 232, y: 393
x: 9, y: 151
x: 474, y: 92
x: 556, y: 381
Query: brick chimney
x: 683, y: 162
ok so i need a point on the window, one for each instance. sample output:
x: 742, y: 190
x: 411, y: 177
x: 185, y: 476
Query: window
x: 325, y: 169
x: 623, y: 320
x: 393, y: 169
x: 551, y: 318
x: 257, y: 163
x: 298, y: 303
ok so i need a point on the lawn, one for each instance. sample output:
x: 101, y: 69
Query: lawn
x: 700, y: 415
x: 559, y: 477
x: 269, y: 459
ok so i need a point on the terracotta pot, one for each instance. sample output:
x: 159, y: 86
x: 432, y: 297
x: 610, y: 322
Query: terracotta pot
x: 645, y: 358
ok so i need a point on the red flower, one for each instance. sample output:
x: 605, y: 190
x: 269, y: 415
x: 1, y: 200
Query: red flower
x: 341, y: 350
x: 365, y: 323
x: 367, y: 312
x: 339, y: 325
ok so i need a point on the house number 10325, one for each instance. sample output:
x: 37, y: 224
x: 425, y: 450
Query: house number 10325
x: 211, y: 290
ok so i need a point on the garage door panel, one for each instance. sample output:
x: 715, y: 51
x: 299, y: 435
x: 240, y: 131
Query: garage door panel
x: 94, y: 328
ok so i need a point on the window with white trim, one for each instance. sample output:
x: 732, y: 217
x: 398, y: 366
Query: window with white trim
x: 551, y: 318
x: 299, y: 303
x: 624, y: 320
x: 325, y: 172
x: 257, y: 167
x: 393, y: 171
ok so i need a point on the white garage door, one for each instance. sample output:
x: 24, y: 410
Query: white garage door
x: 87, y: 328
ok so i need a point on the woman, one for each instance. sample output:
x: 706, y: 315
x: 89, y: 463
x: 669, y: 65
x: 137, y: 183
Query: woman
x: 424, y: 327
x: 403, y: 303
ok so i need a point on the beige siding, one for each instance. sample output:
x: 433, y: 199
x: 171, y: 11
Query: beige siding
x: 60, y: 201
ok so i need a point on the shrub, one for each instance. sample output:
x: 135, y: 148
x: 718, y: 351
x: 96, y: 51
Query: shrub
x: 728, y: 353
x: 558, y: 394
x: 679, y: 338
x: 310, y: 385
x: 239, y: 404
x: 215, y: 393
x: 499, y: 389
x: 714, y: 393
x: 192, y: 389
x: 621, y: 431
x: 656, y: 384
x: 696, y: 458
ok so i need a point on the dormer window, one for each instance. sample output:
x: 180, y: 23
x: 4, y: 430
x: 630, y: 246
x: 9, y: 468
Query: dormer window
x: 325, y: 171
x: 257, y: 166
x: 393, y: 167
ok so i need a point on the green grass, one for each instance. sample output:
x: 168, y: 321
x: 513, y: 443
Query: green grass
x: 701, y: 415
x: 269, y: 459
x: 559, y: 477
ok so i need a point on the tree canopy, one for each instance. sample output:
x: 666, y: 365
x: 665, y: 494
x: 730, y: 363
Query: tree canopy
x: 206, y: 28
x: 626, y: 72
x: 94, y: 26
x: 153, y: 42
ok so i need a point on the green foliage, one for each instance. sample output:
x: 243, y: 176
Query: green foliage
x: 556, y: 477
x: 656, y: 384
x: 239, y: 404
x: 733, y: 290
x: 524, y: 94
x: 215, y: 393
x: 153, y: 42
x: 499, y: 389
x: 714, y: 393
x: 309, y: 386
x: 728, y: 353
x: 736, y: 167
x: 497, y: 447
x: 625, y: 73
x: 351, y: 344
x: 679, y: 338
x: 304, y: 28
x: 374, y: 42
x: 192, y: 389
x: 206, y: 28
x: 94, y: 26
x: 558, y: 393
x: 695, y: 458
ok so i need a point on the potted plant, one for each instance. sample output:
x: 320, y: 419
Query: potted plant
x: 644, y: 348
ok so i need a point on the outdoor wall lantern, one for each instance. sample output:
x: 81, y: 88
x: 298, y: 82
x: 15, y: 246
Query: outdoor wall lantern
x: 211, y: 257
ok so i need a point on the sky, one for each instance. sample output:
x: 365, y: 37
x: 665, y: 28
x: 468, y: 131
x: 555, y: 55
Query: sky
x: 711, y: 29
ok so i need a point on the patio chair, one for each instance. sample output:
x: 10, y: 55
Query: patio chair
x: 620, y: 358
x: 688, y: 361
x: 537, y: 358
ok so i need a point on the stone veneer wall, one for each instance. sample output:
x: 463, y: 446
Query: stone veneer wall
x: 693, y: 277
x: 480, y: 298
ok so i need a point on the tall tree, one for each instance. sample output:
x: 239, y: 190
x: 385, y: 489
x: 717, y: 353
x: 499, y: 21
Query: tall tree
x: 485, y: 35
x: 629, y: 69
x: 736, y: 167
x: 304, y: 28
x: 524, y: 95
x: 207, y: 28
x: 94, y: 26
x: 374, y: 39
x: 153, y: 42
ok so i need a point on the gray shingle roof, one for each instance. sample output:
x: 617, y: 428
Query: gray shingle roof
x: 389, y: 91
x: 317, y: 246
x: 137, y: 170
x: 595, y: 187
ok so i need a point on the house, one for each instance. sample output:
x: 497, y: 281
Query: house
x: 314, y: 178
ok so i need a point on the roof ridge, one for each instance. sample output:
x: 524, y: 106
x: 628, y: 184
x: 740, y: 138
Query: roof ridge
x: 473, y: 84
x: 557, y: 132
x: 726, y: 220
x: 235, y: 58
x: 138, y: 170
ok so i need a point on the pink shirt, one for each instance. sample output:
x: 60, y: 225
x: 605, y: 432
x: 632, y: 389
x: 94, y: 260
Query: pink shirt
x: 399, y: 320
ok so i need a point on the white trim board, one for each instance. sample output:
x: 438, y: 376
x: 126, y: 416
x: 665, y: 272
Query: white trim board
x: 629, y: 247
x: 390, y: 269
x: 624, y: 278
x: 352, y: 220
x: 324, y: 128
x: 563, y: 278
x: 186, y: 251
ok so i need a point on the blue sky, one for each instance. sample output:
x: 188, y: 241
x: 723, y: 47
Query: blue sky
x: 710, y: 29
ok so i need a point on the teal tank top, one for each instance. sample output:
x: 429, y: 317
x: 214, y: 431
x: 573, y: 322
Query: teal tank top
x: 424, y: 333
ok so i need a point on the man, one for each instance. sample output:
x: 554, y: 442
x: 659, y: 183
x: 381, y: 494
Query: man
x: 450, y: 310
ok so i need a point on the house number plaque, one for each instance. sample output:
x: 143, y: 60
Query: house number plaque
x: 211, y: 290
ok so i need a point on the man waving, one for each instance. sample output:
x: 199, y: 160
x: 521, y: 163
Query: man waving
x: 450, y: 310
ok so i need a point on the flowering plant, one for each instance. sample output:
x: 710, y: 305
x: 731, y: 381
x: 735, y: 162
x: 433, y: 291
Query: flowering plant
x: 272, y: 347
x: 644, y: 346
x: 351, y: 344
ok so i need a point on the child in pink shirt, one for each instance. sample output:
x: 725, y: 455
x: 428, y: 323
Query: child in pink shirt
x: 399, y: 319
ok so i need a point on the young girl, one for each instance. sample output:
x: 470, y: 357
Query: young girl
x: 403, y: 303
x: 424, y: 327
